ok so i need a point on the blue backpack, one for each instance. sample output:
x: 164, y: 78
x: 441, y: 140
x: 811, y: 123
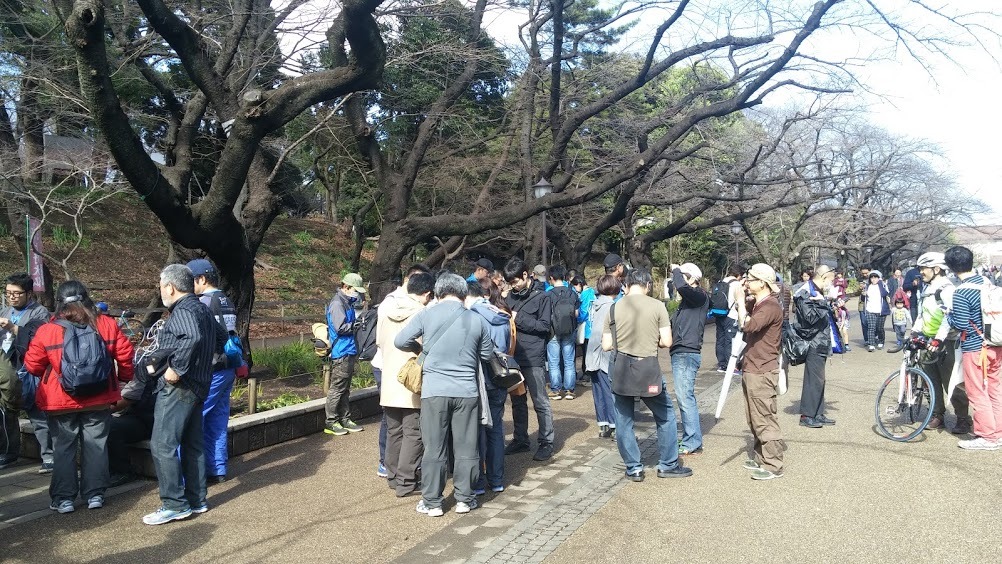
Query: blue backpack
x: 86, y: 366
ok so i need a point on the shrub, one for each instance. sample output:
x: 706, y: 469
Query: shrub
x: 284, y: 400
x: 296, y: 358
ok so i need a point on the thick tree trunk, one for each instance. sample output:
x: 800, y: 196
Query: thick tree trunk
x: 393, y: 247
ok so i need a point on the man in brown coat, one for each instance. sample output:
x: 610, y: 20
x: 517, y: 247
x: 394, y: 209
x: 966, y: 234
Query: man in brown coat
x: 762, y: 332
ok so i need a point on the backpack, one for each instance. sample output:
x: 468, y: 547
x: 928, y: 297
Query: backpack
x: 86, y: 366
x: 719, y: 298
x: 564, y: 311
x: 365, y: 334
x: 991, y: 312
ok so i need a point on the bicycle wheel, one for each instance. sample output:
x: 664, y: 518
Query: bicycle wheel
x: 904, y: 407
x: 134, y: 331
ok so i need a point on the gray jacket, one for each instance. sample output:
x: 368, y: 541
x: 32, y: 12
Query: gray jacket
x: 450, y: 369
x: 595, y: 357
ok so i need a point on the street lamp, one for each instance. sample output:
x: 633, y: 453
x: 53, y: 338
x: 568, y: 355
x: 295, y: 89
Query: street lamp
x: 539, y: 190
x: 736, y: 230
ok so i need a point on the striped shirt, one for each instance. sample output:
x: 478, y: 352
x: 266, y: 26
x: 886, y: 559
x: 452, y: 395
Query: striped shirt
x: 192, y: 332
x: 967, y: 310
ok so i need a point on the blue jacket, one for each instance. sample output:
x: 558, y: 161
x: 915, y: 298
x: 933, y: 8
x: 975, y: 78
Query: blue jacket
x: 584, y: 315
x: 340, y: 318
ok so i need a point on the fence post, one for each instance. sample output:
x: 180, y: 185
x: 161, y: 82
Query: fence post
x: 252, y: 395
x: 327, y: 375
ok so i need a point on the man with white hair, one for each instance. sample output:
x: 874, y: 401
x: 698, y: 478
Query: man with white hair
x: 687, y: 343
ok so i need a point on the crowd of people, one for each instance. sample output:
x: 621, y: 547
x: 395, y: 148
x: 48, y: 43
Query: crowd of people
x: 87, y: 389
x: 449, y: 334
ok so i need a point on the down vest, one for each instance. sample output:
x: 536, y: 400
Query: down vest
x: 44, y: 359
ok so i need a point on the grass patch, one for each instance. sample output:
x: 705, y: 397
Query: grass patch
x: 284, y: 400
x: 295, y: 358
x: 364, y: 377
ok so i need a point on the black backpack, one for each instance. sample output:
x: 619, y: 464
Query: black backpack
x: 564, y: 316
x: 718, y: 297
x: 365, y: 335
x: 86, y: 366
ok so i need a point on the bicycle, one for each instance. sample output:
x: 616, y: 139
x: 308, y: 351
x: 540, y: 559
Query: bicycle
x: 133, y: 328
x: 905, y: 399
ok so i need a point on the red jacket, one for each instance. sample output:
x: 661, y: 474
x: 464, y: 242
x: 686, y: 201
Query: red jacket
x: 45, y: 352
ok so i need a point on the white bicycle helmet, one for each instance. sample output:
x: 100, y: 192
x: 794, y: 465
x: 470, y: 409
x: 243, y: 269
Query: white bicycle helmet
x: 932, y: 259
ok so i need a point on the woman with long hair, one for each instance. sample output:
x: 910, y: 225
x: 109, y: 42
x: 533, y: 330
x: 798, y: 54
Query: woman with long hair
x: 78, y: 414
x: 597, y: 360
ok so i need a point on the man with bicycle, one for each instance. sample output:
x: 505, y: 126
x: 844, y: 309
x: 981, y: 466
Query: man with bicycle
x: 935, y: 300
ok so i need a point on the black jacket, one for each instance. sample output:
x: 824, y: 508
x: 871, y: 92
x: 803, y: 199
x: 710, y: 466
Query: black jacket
x: 532, y: 325
x: 690, y: 321
x: 813, y: 319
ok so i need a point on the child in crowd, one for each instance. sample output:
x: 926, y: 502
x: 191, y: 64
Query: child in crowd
x: 901, y: 319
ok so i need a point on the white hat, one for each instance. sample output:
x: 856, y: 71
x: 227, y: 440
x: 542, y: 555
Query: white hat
x: 691, y: 270
x: 765, y: 273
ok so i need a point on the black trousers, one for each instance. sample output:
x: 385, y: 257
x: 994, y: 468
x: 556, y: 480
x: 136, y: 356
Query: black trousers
x: 404, y: 448
x: 812, y: 396
x: 126, y: 429
x: 939, y: 372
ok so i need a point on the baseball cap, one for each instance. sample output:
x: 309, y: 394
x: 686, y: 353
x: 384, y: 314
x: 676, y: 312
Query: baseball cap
x: 200, y: 267
x: 691, y: 270
x: 355, y: 281
x: 611, y: 260
x: 486, y: 264
x: 539, y: 270
x: 765, y: 273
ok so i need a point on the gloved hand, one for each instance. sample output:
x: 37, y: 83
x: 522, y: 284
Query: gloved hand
x: 355, y: 325
x: 934, y: 345
x: 918, y: 342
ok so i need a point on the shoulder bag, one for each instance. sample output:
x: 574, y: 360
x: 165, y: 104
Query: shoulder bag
x: 410, y: 373
x: 631, y: 375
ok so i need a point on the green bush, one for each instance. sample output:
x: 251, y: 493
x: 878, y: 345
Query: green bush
x: 284, y: 400
x: 364, y: 377
x: 297, y: 358
x: 672, y: 306
x: 852, y: 286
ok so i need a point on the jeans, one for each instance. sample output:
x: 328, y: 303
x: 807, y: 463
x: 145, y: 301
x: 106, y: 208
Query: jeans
x: 439, y: 417
x: 683, y: 369
x: 862, y: 325
x: 540, y: 403
x: 560, y: 354
x: 337, y: 408
x: 177, y: 422
x: 89, y: 429
x: 492, y: 442
x: 899, y: 333
x: 664, y: 416
x: 726, y: 328
x: 215, y: 417
x: 40, y: 424
x: 377, y: 373
x: 126, y: 429
x: 601, y: 392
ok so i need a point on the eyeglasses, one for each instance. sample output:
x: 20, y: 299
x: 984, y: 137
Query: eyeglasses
x: 11, y: 294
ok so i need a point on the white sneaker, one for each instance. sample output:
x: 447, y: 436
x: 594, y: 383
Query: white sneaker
x: 880, y: 345
x: 978, y: 443
x: 462, y: 507
x: 429, y: 511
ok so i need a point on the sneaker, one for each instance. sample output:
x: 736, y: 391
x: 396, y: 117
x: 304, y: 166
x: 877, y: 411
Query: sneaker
x: 637, y: 477
x: 869, y: 348
x: 200, y: 508
x: 429, y: 511
x: 381, y: 471
x: 7, y: 460
x: 544, y: 452
x: 497, y: 489
x: 335, y: 429
x: 64, y: 506
x: 721, y: 370
x: 569, y: 396
x: 164, y: 515
x: 554, y: 396
x: 351, y: 426
x: 516, y: 447
x: 466, y: 507
x: 823, y: 419
x: 763, y: 474
x: 479, y: 491
x: 810, y: 422
x: 217, y: 479
x: 751, y: 465
x: 880, y: 345
x: 962, y: 427
x: 604, y: 432
x: 685, y: 451
x: 46, y: 468
x: 978, y: 443
x: 95, y: 502
x: 676, y: 472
